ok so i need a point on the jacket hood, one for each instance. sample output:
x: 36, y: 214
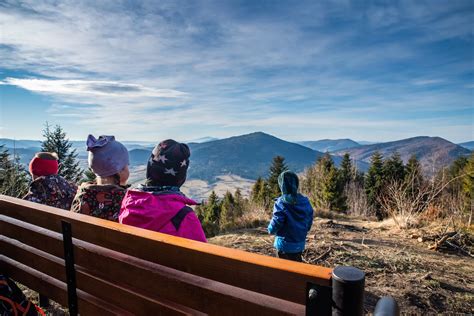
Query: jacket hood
x: 288, y: 183
x: 156, y: 209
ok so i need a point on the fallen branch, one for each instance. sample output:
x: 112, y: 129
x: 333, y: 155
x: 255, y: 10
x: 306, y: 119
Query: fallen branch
x: 460, y: 249
x: 438, y: 243
x: 324, y: 255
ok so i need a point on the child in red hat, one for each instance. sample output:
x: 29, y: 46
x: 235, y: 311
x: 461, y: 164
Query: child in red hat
x: 48, y: 187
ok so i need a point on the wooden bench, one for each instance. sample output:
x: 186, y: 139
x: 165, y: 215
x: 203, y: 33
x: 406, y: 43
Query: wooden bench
x: 119, y: 269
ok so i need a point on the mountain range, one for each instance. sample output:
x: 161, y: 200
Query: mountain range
x: 432, y: 152
x: 249, y: 156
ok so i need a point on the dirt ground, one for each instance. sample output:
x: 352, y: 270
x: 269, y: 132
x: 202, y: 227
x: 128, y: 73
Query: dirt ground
x: 395, y: 263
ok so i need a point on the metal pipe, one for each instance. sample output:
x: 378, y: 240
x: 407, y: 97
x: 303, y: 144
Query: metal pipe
x: 387, y: 306
x: 348, y: 291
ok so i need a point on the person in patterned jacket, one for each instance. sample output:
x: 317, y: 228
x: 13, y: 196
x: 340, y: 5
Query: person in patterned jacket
x: 48, y: 187
x: 109, y: 161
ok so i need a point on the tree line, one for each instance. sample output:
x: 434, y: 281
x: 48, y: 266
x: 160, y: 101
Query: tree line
x: 389, y: 188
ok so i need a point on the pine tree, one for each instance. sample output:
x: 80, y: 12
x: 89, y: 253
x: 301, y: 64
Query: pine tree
x: 323, y: 185
x: 240, y: 204
x: 13, y: 177
x: 456, y: 169
x: 393, y: 169
x: 374, y: 183
x: 346, y: 170
x: 278, y: 166
x: 213, y: 209
x: 468, y: 186
x: 256, y: 194
x: 89, y: 176
x: 413, y: 176
x: 56, y: 141
x: 227, y: 214
x: 209, y: 215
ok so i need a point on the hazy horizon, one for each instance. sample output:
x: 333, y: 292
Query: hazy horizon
x: 199, y: 138
x: 300, y: 71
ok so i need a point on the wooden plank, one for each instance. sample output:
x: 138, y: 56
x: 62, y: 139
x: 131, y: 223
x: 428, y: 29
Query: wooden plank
x: 148, y: 278
x: 272, y: 276
x: 127, y: 299
x: 35, y: 236
x: 55, y: 289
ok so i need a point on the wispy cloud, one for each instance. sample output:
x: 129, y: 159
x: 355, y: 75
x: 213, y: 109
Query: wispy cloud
x: 91, y: 88
x: 222, y: 68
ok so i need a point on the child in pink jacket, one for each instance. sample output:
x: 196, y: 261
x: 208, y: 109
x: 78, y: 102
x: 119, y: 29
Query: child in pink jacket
x: 159, y: 205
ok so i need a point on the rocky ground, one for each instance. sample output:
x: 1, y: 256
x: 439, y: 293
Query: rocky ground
x: 396, y: 262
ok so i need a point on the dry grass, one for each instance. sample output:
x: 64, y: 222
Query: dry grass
x: 421, y: 280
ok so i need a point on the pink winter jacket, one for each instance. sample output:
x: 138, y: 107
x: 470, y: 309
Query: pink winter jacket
x: 156, y: 212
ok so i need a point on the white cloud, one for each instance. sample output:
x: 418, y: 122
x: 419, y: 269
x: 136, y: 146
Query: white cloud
x: 91, y: 88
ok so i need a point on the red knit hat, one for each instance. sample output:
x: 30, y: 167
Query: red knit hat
x: 43, y: 167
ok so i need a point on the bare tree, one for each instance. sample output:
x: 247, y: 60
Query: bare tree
x: 405, y: 201
x: 357, y: 199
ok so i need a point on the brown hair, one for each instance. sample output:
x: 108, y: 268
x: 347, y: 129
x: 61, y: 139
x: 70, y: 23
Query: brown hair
x: 47, y: 155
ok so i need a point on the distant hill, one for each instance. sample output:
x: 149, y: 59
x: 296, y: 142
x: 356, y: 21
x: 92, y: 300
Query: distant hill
x: 330, y: 145
x: 248, y: 156
x: 433, y: 152
x: 22, y: 143
x: 139, y: 156
x: 468, y: 145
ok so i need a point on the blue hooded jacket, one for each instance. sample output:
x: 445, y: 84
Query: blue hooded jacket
x: 292, y: 216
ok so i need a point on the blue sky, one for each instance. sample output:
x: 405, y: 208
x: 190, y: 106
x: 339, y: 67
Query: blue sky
x: 149, y: 70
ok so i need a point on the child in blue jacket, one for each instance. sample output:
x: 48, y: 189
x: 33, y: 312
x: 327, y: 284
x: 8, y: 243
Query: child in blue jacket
x: 292, y: 218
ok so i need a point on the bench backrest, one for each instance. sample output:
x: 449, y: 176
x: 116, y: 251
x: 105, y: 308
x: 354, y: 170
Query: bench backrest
x: 122, y: 269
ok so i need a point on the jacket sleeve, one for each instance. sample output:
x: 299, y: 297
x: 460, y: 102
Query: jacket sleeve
x: 310, y: 217
x: 278, y: 219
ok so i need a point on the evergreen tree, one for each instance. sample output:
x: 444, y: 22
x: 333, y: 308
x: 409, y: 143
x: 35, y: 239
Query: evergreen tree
x: 374, y: 183
x: 227, y: 214
x: 324, y: 185
x: 56, y: 141
x: 413, y: 176
x: 468, y: 186
x: 260, y: 194
x: 278, y: 166
x: 346, y: 170
x: 393, y: 169
x: 239, y: 203
x: 256, y: 194
x: 456, y: 169
x: 13, y: 177
x: 213, y: 209
x: 89, y: 176
x: 333, y: 191
x: 209, y: 214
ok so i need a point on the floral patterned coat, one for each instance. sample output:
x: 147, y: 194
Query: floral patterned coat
x: 52, y: 190
x: 99, y: 200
